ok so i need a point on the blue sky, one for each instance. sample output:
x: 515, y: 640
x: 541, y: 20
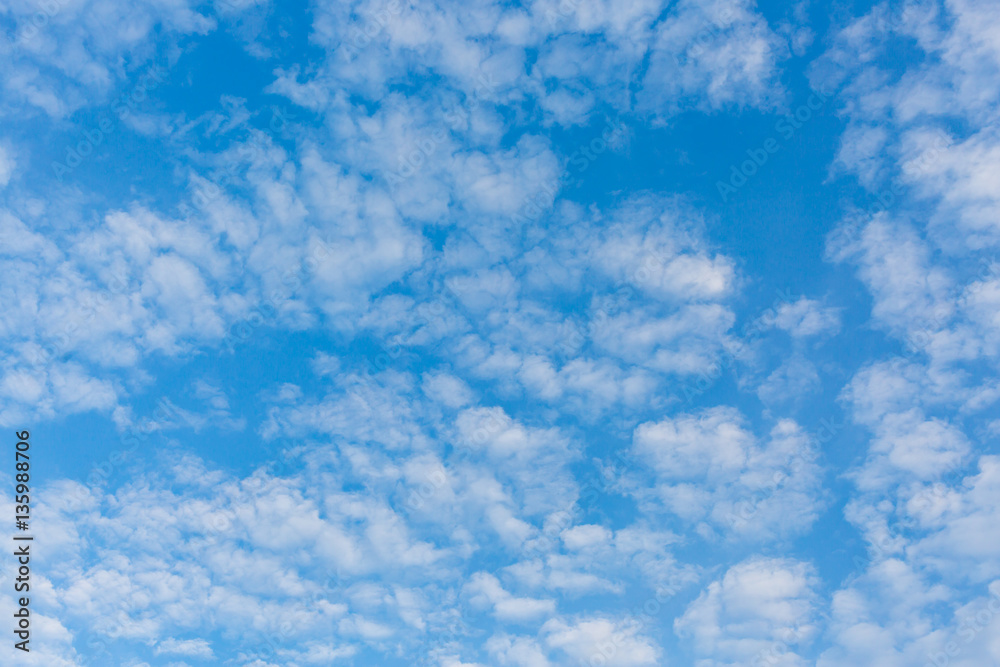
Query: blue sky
x: 531, y: 334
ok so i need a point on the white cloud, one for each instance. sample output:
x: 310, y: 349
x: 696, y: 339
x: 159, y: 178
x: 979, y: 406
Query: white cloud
x: 486, y: 589
x: 714, y: 444
x: 914, y: 445
x: 760, y: 610
x: 192, y: 648
x: 66, y: 55
x: 721, y: 53
x: 519, y: 651
x: 447, y: 389
x: 959, y: 521
x: 581, y: 537
x: 588, y: 640
x: 911, y: 292
x: 794, y: 380
x: 884, y: 617
x: 7, y: 166
x: 807, y: 317
x: 712, y: 472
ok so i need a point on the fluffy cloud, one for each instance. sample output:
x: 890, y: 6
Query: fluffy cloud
x: 713, y: 473
x: 722, y: 53
x: 612, y: 643
x: 762, y: 611
x: 66, y: 55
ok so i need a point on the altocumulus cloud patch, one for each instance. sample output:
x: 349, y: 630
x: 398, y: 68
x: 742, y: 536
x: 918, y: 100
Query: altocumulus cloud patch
x: 551, y: 333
